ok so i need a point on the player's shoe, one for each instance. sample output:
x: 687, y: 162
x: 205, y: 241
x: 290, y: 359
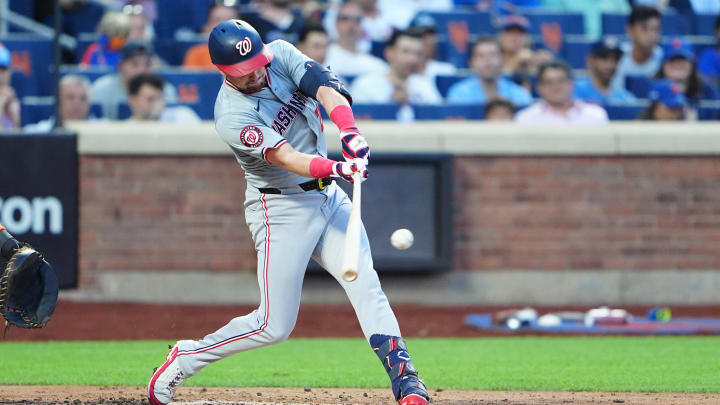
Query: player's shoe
x: 413, y: 392
x: 413, y: 399
x: 166, y: 379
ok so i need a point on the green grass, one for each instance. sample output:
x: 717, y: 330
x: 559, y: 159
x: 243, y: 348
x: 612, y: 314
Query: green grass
x: 655, y: 364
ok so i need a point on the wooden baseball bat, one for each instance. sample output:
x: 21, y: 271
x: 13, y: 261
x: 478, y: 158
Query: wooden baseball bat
x: 351, y: 250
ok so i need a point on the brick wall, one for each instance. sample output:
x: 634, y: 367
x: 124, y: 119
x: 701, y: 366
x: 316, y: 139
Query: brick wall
x: 587, y: 213
x: 510, y: 213
x: 162, y: 213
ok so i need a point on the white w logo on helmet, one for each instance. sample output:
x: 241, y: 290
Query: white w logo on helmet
x: 244, y: 46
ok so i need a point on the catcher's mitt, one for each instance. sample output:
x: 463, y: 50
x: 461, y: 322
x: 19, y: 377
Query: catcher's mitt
x: 28, y: 289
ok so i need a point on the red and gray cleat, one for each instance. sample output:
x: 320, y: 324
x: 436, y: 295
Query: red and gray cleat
x: 166, y: 379
x: 413, y: 399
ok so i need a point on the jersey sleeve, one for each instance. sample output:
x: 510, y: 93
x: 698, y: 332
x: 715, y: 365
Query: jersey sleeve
x: 292, y: 59
x: 248, y: 136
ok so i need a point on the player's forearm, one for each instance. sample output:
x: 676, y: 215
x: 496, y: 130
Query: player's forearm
x: 311, y: 165
x: 295, y: 162
x: 329, y: 98
x: 338, y: 107
x: 291, y: 160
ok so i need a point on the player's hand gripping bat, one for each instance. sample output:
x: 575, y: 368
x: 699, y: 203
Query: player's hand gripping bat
x: 351, y: 250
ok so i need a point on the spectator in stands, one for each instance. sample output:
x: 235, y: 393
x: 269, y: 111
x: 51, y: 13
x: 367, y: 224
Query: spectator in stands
x: 149, y: 7
x: 679, y: 67
x: 314, y: 42
x: 114, y: 29
x: 709, y: 63
x: 643, y: 56
x: 426, y: 26
x: 9, y: 104
x: 499, y: 109
x: 275, y: 19
x: 667, y: 103
x: 343, y: 56
x: 398, y: 84
x: 141, y: 30
x: 198, y: 56
x: 487, y: 83
x: 555, y: 85
x: 401, y: 12
x: 520, y: 62
x: 375, y: 26
x: 685, y: 7
x: 74, y: 103
x: 148, y: 104
x: 110, y: 91
x: 602, y: 63
x: 704, y: 6
x: 592, y: 11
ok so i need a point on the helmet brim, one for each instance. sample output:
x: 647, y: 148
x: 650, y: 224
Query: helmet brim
x: 256, y: 62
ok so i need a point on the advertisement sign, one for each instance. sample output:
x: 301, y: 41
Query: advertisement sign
x: 38, y: 197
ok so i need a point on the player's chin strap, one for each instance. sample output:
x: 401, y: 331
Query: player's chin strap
x: 393, y: 354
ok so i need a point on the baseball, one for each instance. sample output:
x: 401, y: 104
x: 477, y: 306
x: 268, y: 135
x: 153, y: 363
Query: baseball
x: 402, y: 239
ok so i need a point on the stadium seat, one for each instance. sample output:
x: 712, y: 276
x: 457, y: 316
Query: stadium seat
x: 23, y: 7
x: 375, y: 111
x: 173, y: 51
x: 32, y: 56
x: 178, y: 14
x: 638, y: 85
x: 196, y: 89
x: 709, y: 111
x: 672, y: 24
x: 84, y: 18
x: 614, y: 24
x: 92, y: 73
x: 35, y: 109
x: 444, y: 83
x: 22, y: 84
x: 705, y: 24
x: 574, y: 53
x: 447, y: 112
x: 569, y: 23
x: 475, y: 22
x: 625, y: 112
x: 456, y: 29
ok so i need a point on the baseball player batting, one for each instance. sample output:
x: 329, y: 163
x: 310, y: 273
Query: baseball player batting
x: 267, y: 112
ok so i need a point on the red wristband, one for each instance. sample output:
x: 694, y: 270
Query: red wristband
x: 2, y: 228
x: 343, y: 117
x: 321, y: 167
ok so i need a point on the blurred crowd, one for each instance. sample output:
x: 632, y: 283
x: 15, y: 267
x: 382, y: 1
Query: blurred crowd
x: 391, y: 52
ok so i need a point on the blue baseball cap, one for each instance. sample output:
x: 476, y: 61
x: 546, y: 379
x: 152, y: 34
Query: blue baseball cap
x: 678, y: 48
x: 5, y: 60
x: 515, y: 22
x: 424, y: 23
x: 668, y: 93
x: 606, y: 46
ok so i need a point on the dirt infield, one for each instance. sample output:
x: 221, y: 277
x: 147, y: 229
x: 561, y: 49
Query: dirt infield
x: 126, y: 321
x: 328, y: 396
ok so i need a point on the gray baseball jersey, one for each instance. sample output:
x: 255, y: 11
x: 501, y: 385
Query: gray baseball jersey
x: 253, y: 124
x: 289, y: 228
